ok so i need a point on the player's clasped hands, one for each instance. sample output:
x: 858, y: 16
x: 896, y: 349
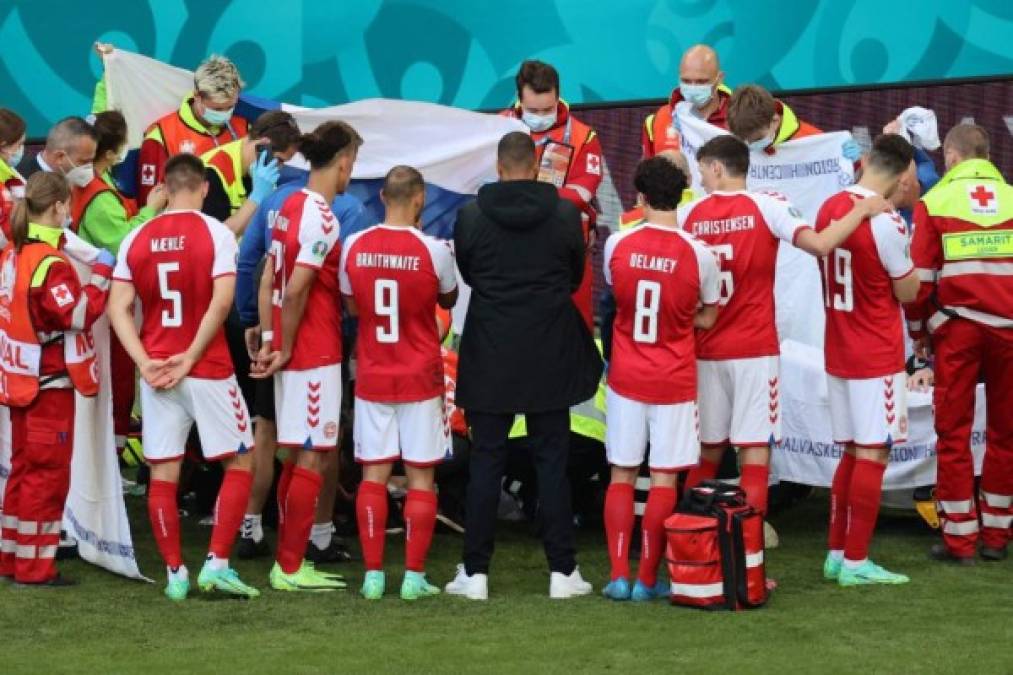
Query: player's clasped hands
x: 268, y: 362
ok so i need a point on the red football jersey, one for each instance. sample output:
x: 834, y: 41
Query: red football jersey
x: 743, y: 229
x: 394, y: 274
x: 172, y: 261
x: 305, y: 233
x: 864, y: 336
x: 660, y: 275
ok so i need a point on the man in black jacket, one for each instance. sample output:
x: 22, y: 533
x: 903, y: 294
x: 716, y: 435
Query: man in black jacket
x: 524, y: 350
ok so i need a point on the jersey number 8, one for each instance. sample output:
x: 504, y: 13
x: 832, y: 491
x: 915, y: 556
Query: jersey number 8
x: 385, y: 305
x: 645, y: 321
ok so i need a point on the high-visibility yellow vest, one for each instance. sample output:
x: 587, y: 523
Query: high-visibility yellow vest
x: 227, y: 162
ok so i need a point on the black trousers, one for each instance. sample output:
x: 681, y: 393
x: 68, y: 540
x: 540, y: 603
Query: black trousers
x: 549, y: 438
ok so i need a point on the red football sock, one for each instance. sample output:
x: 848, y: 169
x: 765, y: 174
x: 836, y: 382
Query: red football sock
x: 660, y: 504
x: 753, y: 480
x: 863, y: 507
x: 705, y: 470
x: 229, y: 511
x: 839, y: 502
x: 371, y: 514
x: 300, y: 507
x: 619, y: 527
x: 164, y: 516
x: 420, y: 519
x: 284, y: 480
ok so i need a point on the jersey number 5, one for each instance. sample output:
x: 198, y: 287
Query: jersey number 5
x: 645, y: 321
x: 838, y: 282
x: 172, y: 317
x: 385, y: 305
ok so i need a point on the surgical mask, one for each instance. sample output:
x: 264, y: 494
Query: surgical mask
x: 761, y: 144
x: 217, y: 118
x: 16, y: 158
x: 80, y: 176
x: 538, y: 122
x: 697, y: 94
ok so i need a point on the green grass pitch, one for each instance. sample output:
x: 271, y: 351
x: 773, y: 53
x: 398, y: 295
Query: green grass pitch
x: 947, y: 620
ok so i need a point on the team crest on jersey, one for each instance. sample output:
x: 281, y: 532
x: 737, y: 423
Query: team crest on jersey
x: 984, y: 200
x: 330, y: 430
x: 62, y: 295
x: 320, y: 249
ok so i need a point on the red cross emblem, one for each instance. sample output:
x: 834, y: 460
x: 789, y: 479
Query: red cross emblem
x: 983, y: 196
x: 594, y: 165
x: 148, y: 174
x: 62, y: 295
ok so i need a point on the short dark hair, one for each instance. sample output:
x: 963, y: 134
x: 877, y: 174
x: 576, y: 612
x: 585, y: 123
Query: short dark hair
x: 184, y: 172
x: 328, y: 140
x: 660, y: 182
x: 970, y: 141
x: 750, y: 109
x: 402, y: 183
x: 111, y: 128
x: 277, y: 126
x: 516, y: 150
x: 890, y: 154
x: 540, y: 76
x: 730, y: 151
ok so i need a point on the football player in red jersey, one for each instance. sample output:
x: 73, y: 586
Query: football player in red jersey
x: 181, y: 266
x: 738, y: 360
x: 660, y: 276
x: 392, y: 277
x: 864, y: 281
x: 303, y: 351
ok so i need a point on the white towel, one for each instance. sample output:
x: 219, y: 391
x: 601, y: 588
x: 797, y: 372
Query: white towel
x: 918, y: 125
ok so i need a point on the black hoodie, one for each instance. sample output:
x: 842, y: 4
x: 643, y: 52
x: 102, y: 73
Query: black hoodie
x: 525, y: 347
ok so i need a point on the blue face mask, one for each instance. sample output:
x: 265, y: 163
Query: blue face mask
x: 217, y: 118
x: 761, y: 144
x: 16, y: 158
x: 538, y: 123
x: 697, y: 94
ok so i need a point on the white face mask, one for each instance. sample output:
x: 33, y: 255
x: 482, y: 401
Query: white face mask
x: 538, y: 123
x: 761, y: 144
x: 80, y: 176
x: 697, y: 94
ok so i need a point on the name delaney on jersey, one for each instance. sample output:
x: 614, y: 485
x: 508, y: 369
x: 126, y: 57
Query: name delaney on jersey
x: 652, y: 263
x: 410, y: 263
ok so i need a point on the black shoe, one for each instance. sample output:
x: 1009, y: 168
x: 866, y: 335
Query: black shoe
x: 248, y: 549
x: 59, y: 581
x: 67, y: 550
x: 940, y: 553
x: 993, y: 554
x: 336, y: 552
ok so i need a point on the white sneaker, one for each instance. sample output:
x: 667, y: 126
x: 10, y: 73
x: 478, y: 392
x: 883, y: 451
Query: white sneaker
x: 562, y: 587
x: 474, y: 587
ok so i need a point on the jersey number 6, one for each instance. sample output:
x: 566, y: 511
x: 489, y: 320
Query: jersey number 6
x: 385, y: 305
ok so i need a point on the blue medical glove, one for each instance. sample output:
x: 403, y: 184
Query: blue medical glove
x: 265, y: 177
x: 851, y: 150
x: 105, y: 258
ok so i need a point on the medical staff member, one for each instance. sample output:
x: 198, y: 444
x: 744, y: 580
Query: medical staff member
x: 765, y: 122
x: 12, y: 149
x: 103, y: 216
x: 701, y: 83
x: 963, y: 249
x: 205, y: 120
x: 48, y: 353
x: 569, y: 154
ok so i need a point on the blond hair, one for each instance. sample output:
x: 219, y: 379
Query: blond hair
x: 217, y: 78
x: 42, y: 190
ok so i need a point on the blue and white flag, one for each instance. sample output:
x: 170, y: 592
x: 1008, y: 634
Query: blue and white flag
x: 454, y: 149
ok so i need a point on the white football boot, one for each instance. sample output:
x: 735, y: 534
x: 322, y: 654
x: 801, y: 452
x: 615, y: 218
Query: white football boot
x: 562, y: 586
x: 473, y: 587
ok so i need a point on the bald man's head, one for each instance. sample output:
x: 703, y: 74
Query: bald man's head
x: 699, y: 64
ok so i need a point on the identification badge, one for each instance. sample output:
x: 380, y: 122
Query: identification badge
x: 969, y: 245
x: 555, y: 163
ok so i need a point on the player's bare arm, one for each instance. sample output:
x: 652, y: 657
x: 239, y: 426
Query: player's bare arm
x: 906, y: 288
x: 297, y: 292
x: 705, y: 317
x: 447, y: 300
x: 822, y: 243
x: 353, y: 309
x: 119, y: 310
x: 180, y: 365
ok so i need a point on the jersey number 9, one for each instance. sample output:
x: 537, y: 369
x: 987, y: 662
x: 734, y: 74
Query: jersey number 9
x: 385, y: 305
